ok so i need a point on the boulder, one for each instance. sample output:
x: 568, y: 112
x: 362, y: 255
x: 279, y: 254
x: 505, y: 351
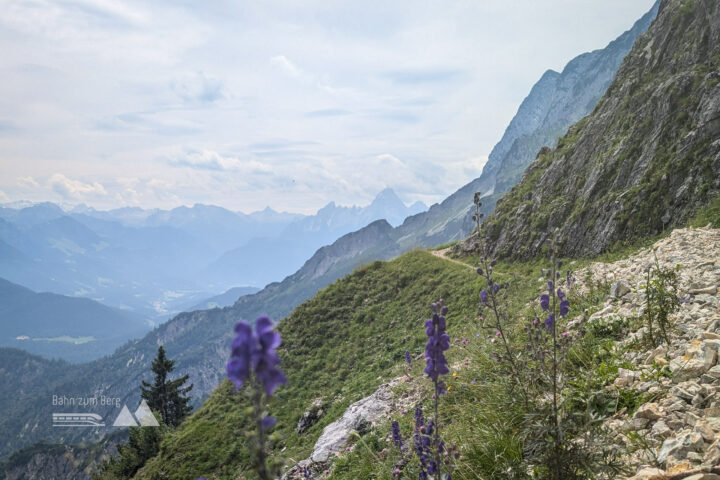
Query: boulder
x: 619, y: 289
x: 677, y: 448
x: 359, y: 416
x: 650, y: 411
x: 311, y: 416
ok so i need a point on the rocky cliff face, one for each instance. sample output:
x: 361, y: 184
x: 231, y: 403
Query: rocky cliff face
x: 557, y: 101
x: 67, y: 462
x: 645, y: 159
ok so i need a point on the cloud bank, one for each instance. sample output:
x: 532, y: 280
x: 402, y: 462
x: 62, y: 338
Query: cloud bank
x: 274, y: 103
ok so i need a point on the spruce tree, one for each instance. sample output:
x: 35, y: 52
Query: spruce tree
x: 167, y: 397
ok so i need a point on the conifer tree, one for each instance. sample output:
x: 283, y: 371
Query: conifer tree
x: 167, y: 397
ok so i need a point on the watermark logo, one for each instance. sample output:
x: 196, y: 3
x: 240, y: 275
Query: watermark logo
x: 143, y: 414
x: 142, y: 417
x: 77, y: 420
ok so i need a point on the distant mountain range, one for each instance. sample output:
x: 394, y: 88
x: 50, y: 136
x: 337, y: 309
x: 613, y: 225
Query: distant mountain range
x: 159, y: 262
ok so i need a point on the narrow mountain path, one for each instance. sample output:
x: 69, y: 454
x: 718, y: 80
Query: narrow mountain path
x: 444, y: 255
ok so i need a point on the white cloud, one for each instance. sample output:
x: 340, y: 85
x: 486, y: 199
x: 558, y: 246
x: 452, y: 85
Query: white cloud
x: 197, y: 87
x: 75, y: 189
x: 27, y: 182
x: 212, y: 160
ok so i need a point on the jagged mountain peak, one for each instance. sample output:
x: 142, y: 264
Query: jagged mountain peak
x: 387, y: 199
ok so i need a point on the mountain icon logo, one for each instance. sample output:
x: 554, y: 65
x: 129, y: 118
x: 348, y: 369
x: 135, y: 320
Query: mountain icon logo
x: 143, y: 414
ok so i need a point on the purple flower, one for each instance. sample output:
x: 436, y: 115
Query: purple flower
x: 550, y: 285
x: 242, y: 346
x: 419, y: 419
x: 396, y: 436
x: 545, y: 301
x: 408, y: 360
x: 255, y: 351
x: 496, y: 288
x: 268, y: 422
x: 564, y: 308
x: 483, y: 297
x: 550, y: 322
x: 438, y: 342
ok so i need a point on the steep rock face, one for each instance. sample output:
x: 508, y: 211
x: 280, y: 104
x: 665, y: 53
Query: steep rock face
x: 646, y: 157
x: 69, y: 462
x: 556, y: 102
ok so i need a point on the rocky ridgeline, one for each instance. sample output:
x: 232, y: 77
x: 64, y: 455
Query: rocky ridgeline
x: 679, y: 430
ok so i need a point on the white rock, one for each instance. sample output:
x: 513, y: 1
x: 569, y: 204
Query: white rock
x: 680, y: 446
x: 369, y: 410
x: 650, y: 411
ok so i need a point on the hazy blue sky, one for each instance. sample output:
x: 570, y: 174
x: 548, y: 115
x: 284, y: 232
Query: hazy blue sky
x: 283, y: 103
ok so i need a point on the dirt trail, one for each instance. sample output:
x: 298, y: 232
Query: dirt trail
x: 443, y: 254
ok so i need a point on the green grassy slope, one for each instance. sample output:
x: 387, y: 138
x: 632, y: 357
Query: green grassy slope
x: 338, y: 346
x: 347, y: 340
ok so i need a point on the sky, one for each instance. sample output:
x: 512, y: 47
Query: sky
x: 287, y: 104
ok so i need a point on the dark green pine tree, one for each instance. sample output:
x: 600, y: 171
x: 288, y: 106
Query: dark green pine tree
x: 167, y: 397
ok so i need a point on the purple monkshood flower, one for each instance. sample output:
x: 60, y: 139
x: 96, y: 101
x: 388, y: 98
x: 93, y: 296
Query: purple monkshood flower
x: 550, y: 322
x: 396, y: 436
x: 419, y: 418
x: 545, y: 301
x: 408, y: 360
x: 438, y: 342
x: 269, y: 422
x: 496, y: 288
x: 483, y: 297
x: 564, y: 308
x: 254, y: 352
